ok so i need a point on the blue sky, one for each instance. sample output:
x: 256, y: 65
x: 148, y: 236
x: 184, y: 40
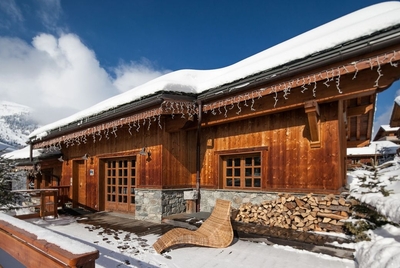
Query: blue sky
x: 62, y: 56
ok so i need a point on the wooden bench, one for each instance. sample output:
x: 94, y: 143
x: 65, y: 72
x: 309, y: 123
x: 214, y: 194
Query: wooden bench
x: 20, y: 240
x: 215, y: 232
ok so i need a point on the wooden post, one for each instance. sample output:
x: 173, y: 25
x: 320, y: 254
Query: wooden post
x: 44, y: 202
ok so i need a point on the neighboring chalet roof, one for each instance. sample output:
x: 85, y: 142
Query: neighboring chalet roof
x: 384, y: 133
x: 346, y: 37
x: 376, y: 147
x: 395, y: 117
x: 24, y: 154
x: 6, y: 148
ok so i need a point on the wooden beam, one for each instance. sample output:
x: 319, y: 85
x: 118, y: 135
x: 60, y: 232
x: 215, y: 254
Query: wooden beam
x: 358, y: 127
x: 359, y: 110
x: 175, y: 124
x: 354, y: 144
x: 312, y: 111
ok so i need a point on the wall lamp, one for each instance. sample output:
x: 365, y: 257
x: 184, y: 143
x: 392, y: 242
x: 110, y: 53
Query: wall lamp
x: 61, y: 159
x: 86, y: 157
x: 145, y: 152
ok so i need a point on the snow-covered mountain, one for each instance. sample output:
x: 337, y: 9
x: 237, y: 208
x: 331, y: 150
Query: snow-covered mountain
x: 15, y: 125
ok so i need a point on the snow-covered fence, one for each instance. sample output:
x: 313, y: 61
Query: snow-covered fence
x: 34, y: 246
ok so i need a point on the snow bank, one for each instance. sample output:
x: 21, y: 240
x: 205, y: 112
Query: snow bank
x: 382, y: 251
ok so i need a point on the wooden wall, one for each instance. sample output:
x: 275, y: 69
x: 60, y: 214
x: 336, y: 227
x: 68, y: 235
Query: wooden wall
x: 179, y: 159
x: 289, y: 163
x: 171, y: 163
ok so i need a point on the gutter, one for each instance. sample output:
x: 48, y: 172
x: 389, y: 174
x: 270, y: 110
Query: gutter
x: 380, y: 40
x: 198, y: 165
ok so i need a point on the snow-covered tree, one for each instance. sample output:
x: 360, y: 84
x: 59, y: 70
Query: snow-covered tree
x: 7, y: 178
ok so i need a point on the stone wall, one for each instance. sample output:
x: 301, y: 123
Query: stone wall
x: 152, y: 205
x: 208, y: 197
x: 148, y: 204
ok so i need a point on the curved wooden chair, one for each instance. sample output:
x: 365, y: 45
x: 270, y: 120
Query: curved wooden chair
x: 216, y: 231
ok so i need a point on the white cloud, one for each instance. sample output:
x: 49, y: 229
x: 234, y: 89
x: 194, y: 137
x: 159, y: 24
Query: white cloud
x: 134, y: 74
x: 58, y: 76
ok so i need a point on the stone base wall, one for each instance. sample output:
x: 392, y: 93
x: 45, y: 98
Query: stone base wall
x: 148, y: 204
x: 208, y: 198
x: 152, y: 205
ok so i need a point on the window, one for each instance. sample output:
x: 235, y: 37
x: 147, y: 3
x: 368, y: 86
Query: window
x: 242, y: 171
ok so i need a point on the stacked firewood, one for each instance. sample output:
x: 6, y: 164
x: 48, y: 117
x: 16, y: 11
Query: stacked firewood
x: 304, y: 213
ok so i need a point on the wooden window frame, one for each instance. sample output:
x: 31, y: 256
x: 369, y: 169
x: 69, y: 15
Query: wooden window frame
x: 222, y: 156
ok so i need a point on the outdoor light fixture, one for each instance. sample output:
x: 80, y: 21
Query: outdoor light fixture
x: 60, y: 159
x: 85, y: 157
x: 145, y: 152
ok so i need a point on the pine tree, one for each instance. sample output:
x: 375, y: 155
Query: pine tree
x: 7, y: 177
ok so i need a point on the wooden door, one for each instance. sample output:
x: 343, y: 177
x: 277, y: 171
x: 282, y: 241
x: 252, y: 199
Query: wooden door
x: 79, y: 183
x: 120, y: 183
x: 82, y: 183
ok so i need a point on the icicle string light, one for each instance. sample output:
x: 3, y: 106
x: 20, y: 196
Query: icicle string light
x: 330, y: 75
x: 379, y: 71
x: 189, y: 109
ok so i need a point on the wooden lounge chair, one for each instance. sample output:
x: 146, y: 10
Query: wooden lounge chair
x: 216, y: 231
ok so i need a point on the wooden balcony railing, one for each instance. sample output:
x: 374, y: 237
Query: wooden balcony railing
x: 47, y: 205
x: 28, y: 244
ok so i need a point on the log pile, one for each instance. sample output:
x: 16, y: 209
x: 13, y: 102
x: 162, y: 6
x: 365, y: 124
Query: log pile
x: 306, y: 213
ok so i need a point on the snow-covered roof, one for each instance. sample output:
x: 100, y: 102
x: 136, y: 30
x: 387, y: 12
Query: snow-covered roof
x: 397, y: 100
x: 24, y: 153
x: 388, y: 128
x: 347, y: 28
x: 376, y: 147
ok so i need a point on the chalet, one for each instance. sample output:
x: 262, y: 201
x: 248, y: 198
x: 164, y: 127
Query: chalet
x: 279, y: 121
x: 395, y: 117
x: 376, y: 153
x: 40, y: 170
x: 387, y: 133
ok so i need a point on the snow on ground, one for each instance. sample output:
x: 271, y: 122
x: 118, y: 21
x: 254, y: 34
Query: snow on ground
x: 380, y: 189
x: 122, y: 249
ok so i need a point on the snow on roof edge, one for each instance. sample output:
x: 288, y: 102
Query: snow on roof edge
x: 349, y: 27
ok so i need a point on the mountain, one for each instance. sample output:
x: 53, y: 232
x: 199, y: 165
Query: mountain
x: 15, y: 125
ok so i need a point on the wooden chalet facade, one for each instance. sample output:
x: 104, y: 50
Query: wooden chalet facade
x: 285, y: 129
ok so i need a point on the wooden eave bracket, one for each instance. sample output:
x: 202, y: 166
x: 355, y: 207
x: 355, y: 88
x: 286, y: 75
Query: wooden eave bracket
x: 312, y: 110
